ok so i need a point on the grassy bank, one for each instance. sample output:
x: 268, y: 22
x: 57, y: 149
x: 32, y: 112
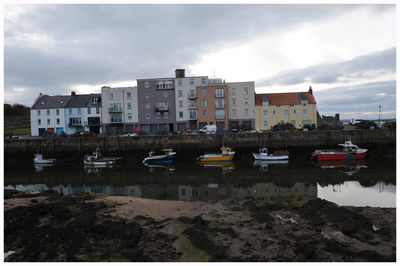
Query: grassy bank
x: 18, y: 130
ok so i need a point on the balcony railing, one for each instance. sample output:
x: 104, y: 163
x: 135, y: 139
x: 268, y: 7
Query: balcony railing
x: 193, y: 116
x: 115, y: 120
x: 75, y: 124
x: 115, y: 110
x: 192, y: 96
x: 92, y: 123
x: 160, y: 107
x: 219, y: 106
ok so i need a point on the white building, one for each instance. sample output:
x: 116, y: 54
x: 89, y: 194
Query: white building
x: 185, y: 99
x: 241, y: 97
x: 119, y: 111
x: 47, y: 114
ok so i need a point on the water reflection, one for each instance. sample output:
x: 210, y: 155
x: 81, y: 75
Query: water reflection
x: 348, y: 167
x: 226, y: 167
x: 264, y: 164
x: 40, y: 167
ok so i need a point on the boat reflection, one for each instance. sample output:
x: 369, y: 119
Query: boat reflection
x: 154, y: 166
x: 40, y: 167
x: 226, y: 166
x: 264, y: 164
x: 95, y: 169
x: 348, y: 167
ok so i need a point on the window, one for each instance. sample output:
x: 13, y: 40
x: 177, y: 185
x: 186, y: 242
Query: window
x: 39, y: 121
x: 146, y: 84
x: 147, y: 115
x: 158, y: 115
x: 265, y: 104
x: 89, y: 111
x: 233, y: 101
x: 129, y: 95
x: 48, y: 121
x: 95, y: 99
x: 192, y: 94
x: 129, y: 106
x: 278, y: 106
x: 246, y: 112
x: 165, y: 115
x: 203, y: 102
x: 48, y: 112
x: 304, y: 103
x: 286, y: 113
x: 180, y: 93
x: 265, y: 123
x: 233, y: 91
x: 180, y: 114
x: 70, y: 111
x: 203, y: 113
x: 147, y: 95
x: 265, y: 113
x: 58, y: 121
x: 291, y: 105
x: 57, y: 111
x: 246, y: 91
x: 191, y: 81
x: 147, y: 105
x: 305, y: 112
x: 180, y: 103
x: 203, y: 91
x: 165, y: 84
x: 165, y: 94
x: 220, y: 114
x: 246, y: 101
x: 97, y: 110
x: 203, y: 81
x: 115, y: 107
x: 219, y: 92
x: 219, y: 103
x: 193, y: 114
x: 38, y: 112
x: 294, y: 111
x: 234, y: 112
x: 79, y: 111
x: 179, y: 82
x: 111, y: 96
x: 273, y: 112
x: 116, y: 118
x: 129, y: 116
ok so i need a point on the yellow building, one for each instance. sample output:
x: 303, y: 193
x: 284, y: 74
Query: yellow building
x: 297, y: 108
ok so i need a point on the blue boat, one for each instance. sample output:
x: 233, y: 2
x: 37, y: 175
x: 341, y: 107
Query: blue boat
x: 167, y: 157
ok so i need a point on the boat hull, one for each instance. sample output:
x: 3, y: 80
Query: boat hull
x: 44, y: 161
x: 341, y: 156
x: 258, y: 156
x: 217, y: 157
x: 159, y: 159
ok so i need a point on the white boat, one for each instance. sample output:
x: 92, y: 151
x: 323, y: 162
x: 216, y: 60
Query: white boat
x: 97, y: 160
x: 38, y: 159
x: 263, y: 155
x: 168, y: 157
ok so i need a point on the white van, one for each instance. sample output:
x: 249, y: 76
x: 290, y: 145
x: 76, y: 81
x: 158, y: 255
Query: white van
x: 208, y: 129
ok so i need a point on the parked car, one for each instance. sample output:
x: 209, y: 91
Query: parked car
x: 208, y: 129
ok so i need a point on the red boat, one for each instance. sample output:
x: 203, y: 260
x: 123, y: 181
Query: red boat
x: 349, y: 152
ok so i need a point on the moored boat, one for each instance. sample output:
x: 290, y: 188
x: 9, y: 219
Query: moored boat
x: 97, y: 160
x: 263, y: 155
x: 167, y: 157
x: 226, y: 155
x: 38, y: 159
x: 349, y: 152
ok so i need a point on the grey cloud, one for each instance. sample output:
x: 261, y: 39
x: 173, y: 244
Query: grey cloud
x: 100, y: 44
x: 383, y: 61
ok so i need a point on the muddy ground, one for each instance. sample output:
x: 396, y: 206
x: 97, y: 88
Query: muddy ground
x: 51, y: 227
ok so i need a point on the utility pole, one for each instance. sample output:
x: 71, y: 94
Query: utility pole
x: 379, y: 116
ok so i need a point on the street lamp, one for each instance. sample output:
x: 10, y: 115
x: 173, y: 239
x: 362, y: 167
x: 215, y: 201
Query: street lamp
x: 379, y: 116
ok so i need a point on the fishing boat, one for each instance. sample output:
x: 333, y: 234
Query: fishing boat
x: 38, y: 159
x: 226, y: 155
x: 278, y: 155
x: 167, y: 157
x: 97, y: 160
x: 349, y: 152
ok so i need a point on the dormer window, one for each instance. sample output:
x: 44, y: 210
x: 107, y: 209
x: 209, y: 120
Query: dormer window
x: 43, y: 102
x: 265, y: 104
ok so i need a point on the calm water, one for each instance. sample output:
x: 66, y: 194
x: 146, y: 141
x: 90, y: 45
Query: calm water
x: 363, y: 183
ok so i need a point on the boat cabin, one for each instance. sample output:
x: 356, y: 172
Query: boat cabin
x: 225, y: 150
x: 264, y: 151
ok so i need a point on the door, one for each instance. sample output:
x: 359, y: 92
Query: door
x: 59, y: 130
x: 41, y: 131
x: 51, y: 129
x: 220, y: 126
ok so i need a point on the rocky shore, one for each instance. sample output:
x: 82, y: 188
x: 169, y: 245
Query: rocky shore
x: 48, y: 227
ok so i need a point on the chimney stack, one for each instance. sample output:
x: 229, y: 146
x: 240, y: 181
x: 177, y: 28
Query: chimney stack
x: 179, y: 73
x: 73, y: 93
x: 310, y: 90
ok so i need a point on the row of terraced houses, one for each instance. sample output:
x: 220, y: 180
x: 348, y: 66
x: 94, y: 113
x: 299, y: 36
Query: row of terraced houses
x: 165, y: 105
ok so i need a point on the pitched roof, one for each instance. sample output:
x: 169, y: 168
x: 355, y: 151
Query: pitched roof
x: 284, y: 98
x: 51, y: 102
x: 78, y: 101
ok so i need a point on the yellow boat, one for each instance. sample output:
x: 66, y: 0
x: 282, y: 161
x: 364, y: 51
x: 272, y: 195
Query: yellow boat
x: 226, y: 155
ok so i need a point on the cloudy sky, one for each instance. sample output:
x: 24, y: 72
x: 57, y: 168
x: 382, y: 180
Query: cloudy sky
x: 347, y: 53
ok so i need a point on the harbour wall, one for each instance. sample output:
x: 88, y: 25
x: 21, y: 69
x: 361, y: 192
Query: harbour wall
x: 139, y: 146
